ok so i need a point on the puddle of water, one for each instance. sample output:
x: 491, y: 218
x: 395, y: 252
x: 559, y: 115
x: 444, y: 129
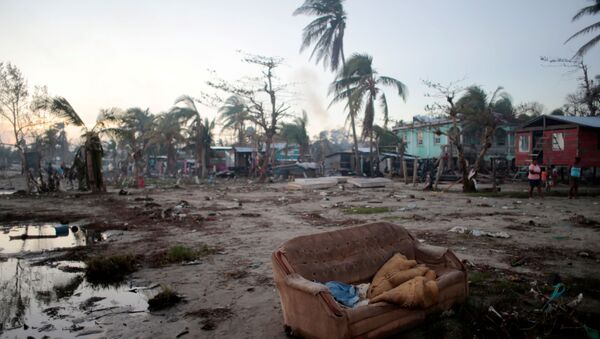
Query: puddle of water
x: 6, y: 192
x: 41, y: 237
x: 42, y: 300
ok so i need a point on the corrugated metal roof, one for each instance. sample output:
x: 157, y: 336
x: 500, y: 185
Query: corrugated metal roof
x: 583, y: 121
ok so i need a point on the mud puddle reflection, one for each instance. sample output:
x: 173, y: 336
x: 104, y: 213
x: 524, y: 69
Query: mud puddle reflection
x: 55, y: 300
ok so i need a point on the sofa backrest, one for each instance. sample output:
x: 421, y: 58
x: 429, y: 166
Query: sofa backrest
x: 351, y: 255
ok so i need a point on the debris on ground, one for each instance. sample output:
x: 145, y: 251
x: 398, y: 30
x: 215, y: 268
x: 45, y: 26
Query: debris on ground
x: 478, y: 233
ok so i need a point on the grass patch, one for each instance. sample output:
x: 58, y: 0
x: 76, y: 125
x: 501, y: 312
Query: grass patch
x: 181, y: 253
x: 164, y: 299
x: 109, y: 270
x: 366, y: 210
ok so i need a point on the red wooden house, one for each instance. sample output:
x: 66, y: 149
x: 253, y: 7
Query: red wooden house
x: 557, y: 140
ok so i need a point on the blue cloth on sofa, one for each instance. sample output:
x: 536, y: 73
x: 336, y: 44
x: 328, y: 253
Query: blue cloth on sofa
x: 345, y: 294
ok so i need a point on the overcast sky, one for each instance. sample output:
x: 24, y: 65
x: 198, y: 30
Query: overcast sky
x: 146, y: 53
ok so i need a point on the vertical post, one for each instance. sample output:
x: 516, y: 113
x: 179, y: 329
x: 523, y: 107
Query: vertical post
x: 440, y: 170
x: 389, y: 166
x: 493, y: 174
x: 404, y: 171
x: 415, y: 165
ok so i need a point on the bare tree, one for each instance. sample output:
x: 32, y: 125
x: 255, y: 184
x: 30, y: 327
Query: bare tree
x: 445, y: 106
x: 586, y: 101
x: 260, y: 95
x: 16, y: 109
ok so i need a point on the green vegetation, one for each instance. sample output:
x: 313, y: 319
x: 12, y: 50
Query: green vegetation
x: 166, y: 298
x: 366, y: 210
x: 109, y: 270
x: 180, y: 253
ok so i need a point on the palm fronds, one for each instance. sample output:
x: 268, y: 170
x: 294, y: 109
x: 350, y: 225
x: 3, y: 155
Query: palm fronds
x: 588, y: 10
x: 60, y: 107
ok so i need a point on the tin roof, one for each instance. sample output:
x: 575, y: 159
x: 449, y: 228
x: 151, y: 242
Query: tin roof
x: 583, y: 121
x: 593, y: 122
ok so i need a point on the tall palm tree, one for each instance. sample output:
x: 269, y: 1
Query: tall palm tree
x: 92, y: 157
x: 592, y: 9
x: 234, y: 115
x: 326, y: 33
x: 359, y: 83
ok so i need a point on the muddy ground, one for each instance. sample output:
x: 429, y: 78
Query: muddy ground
x: 229, y: 292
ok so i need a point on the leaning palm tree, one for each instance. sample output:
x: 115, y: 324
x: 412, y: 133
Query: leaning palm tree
x: 326, y: 33
x: 359, y: 83
x: 234, y: 115
x: 593, y: 9
x: 191, y: 114
x: 481, y: 115
x: 91, y: 164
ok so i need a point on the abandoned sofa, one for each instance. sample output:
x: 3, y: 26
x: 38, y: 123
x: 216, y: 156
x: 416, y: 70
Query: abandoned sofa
x: 354, y: 255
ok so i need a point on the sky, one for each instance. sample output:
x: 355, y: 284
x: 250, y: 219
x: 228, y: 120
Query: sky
x: 126, y: 53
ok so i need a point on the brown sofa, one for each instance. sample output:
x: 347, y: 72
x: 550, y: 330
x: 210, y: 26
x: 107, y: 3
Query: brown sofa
x: 353, y: 255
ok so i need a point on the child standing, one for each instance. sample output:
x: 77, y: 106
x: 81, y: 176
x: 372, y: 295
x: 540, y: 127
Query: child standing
x: 544, y: 176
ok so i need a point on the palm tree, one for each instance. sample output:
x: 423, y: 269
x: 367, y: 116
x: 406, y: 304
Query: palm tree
x: 326, y: 33
x: 168, y: 134
x: 134, y: 129
x: 92, y: 157
x: 481, y: 115
x: 588, y: 10
x: 359, y: 83
x: 296, y: 132
x: 196, y: 130
x: 233, y: 115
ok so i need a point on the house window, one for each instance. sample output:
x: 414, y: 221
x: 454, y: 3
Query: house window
x: 500, y: 137
x: 437, y: 139
x: 558, y: 141
x: 524, y: 143
x: 420, y: 138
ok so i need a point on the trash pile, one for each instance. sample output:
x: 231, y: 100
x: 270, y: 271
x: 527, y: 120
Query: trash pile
x: 478, y: 233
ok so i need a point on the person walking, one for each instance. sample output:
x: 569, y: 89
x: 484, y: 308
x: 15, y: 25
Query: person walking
x: 534, y: 178
x: 575, y: 176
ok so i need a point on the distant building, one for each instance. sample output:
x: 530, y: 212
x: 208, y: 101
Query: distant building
x: 557, y: 140
x: 222, y: 158
x: 423, y: 140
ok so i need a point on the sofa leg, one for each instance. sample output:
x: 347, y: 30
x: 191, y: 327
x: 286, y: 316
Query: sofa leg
x: 289, y: 332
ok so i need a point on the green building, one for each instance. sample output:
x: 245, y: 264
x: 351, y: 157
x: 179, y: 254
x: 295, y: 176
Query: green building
x: 423, y: 142
x: 421, y: 139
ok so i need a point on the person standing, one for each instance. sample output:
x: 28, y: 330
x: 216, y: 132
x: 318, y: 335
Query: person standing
x: 575, y: 176
x: 534, y: 178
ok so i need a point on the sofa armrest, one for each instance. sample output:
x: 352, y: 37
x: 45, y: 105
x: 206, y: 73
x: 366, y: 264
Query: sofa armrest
x: 437, y: 256
x: 298, y: 282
